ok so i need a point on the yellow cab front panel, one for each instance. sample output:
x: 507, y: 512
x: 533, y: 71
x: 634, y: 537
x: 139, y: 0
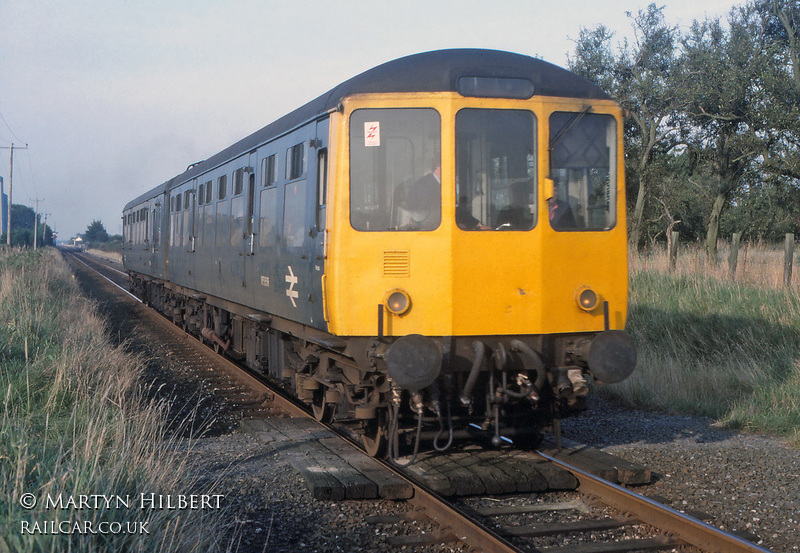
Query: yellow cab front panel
x: 458, y: 216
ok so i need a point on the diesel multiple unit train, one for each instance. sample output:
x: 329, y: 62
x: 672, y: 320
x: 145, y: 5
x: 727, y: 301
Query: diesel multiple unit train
x: 433, y: 249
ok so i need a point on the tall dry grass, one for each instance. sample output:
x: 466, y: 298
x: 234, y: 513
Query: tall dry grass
x: 758, y: 264
x: 74, y: 422
x: 712, y: 346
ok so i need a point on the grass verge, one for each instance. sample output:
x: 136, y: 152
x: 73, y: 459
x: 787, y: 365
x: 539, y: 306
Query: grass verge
x: 76, y: 434
x: 715, y: 348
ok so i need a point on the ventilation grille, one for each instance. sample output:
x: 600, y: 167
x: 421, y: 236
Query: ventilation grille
x: 396, y: 263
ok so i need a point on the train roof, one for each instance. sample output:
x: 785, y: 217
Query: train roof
x: 437, y: 71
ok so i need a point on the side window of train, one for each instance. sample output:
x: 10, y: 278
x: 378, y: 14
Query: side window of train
x: 295, y: 161
x: 238, y: 181
x: 269, y: 171
x: 294, y: 227
x: 268, y: 201
x: 222, y: 187
x: 583, y: 167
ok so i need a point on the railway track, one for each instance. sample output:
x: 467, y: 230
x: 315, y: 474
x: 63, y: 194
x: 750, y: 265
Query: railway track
x: 517, y: 525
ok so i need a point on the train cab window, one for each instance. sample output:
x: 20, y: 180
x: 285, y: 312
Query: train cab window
x: 583, y: 154
x: 201, y: 196
x: 269, y: 173
x: 208, y: 192
x: 495, y: 169
x: 395, y: 179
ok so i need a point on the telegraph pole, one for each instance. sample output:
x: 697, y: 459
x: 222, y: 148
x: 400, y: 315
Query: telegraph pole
x: 36, y: 222
x: 10, y: 185
x: 44, y: 229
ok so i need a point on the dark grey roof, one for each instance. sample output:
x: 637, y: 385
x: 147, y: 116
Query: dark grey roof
x: 436, y: 71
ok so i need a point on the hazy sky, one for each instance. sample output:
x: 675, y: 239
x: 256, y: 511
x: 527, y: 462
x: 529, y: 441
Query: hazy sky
x: 114, y: 97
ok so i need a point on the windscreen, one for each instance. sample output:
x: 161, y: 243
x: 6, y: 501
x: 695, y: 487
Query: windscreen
x: 395, y: 174
x: 495, y: 169
x: 583, y: 153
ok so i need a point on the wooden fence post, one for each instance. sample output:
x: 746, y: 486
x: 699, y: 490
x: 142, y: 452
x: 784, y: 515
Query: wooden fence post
x: 733, y: 258
x: 673, y: 249
x: 788, y: 255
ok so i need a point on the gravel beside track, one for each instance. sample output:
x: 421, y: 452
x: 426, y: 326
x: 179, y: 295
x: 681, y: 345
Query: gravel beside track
x: 745, y: 481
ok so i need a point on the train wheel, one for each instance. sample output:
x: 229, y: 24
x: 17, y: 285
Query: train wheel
x: 376, y: 434
x: 323, y: 411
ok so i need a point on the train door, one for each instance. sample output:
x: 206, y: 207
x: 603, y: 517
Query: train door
x: 190, y: 227
x: 246, y: 226
x: 156, y: 256
x: 166, y: 226
x: 318, y: 159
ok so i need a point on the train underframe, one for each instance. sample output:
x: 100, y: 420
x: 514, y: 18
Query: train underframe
x: 400, y: 395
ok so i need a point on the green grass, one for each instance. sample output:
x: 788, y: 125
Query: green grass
x: 718, y: 349
x: 73, y: 422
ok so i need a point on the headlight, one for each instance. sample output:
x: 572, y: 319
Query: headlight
x: 586, y: 298
x: 397, y: 302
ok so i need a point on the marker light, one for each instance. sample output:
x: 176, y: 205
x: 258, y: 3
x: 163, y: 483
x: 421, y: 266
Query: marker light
x: 586, y: 298
x: 398, y: 302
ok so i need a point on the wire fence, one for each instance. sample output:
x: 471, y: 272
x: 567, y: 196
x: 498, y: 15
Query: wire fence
x: 754, y: 263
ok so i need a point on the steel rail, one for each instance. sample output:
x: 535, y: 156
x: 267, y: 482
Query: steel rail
x: 468, y: 531
x: 682, y: 526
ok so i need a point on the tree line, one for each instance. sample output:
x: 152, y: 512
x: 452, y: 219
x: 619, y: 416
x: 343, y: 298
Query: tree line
x: 712, y: 124
x: 22, y: 218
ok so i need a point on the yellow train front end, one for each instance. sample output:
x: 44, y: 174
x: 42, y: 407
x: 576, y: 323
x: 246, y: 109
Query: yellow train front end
x: 484, y: 238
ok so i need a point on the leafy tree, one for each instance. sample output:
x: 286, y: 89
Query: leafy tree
x: 641, y: 78
x: 95, y: 232
x: 725, y: 70
x: 22, y: 228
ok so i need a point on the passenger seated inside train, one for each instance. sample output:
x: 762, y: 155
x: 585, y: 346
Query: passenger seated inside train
x: 420, y: 202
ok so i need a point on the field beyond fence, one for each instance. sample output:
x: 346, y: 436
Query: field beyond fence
x: 757, y: 263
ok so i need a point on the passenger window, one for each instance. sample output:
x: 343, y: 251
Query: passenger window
x: 268, y: 171
x: 295, y: 161
x: 201, y: 194
x: 222, y: 187
x: 208, y: 191
x: 238, y: 181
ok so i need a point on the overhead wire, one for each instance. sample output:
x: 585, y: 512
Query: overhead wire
x: 9, y: 130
